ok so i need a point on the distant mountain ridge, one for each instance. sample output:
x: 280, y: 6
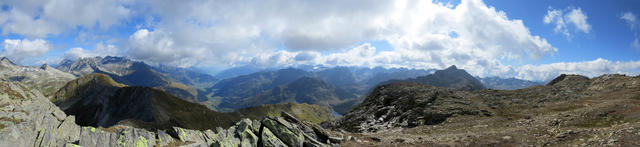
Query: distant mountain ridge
x: 134, y: 73
x: 97, y: 100
x: 507, y: 84
x: 451, y: 77
x: 327, y: 86
x: 307, y: 90
x: 44, y: 78
x: 250, y: 85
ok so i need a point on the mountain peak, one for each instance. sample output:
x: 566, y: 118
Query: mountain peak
x: 452, y: 67
x: 451, y: 77
x: 567, y: 77
x: 45, y: 66
x: 6, y: 60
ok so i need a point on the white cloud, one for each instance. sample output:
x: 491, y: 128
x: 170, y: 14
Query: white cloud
x: 556, y: 16
x: 579, y: 20
x: 588, y: 68
x: 40, y: 18
x: 254, y: 31
x: 570, y: 16
x: 159, y: 47
x: 21, y: 50
x: 422, y: 34
x: 98, y: 50
x: 630, y: 18
x: 636, y: 44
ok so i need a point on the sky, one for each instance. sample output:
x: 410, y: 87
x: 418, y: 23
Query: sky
x: 531, y: 40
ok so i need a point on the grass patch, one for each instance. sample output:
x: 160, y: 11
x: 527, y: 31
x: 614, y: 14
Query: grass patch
x: 597, y: 122
x: 13, y: 120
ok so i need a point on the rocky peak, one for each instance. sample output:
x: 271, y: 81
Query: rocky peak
x: 452, y: 68
x: 406, y: 105
x: 6, y: 61
x: 45, y: 66
x: 451, y: 77
x: 563, y: 78
x: 112, y: 59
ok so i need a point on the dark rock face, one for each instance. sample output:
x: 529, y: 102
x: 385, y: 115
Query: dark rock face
x: 407, y: 105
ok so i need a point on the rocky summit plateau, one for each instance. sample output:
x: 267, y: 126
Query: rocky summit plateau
x: 571, y: 110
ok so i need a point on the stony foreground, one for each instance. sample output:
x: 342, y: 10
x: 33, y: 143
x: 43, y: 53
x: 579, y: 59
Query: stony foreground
x: 571, y: 110
x: 27, y: 118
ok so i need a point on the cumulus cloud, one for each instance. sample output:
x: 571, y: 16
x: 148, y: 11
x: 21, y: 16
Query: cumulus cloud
x: 98, y: 50
x: 264, y: 31
x: 159, y: 47
x: 21, y: 50
x: 40, y: 18
x: 563, y: 19
x: 588, y: 68
x: 422, y: 34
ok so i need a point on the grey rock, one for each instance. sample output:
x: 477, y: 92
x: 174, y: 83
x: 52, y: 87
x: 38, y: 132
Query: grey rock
x: 163, y: 138
x: 68, y: 131
x: 269, y: 139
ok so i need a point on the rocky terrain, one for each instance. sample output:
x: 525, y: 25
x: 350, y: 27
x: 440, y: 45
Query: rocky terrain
x: 44, y: 79
x: 27, y: 118
x: 446, y: 108
x: 571, y: 110
x: 408, y: 105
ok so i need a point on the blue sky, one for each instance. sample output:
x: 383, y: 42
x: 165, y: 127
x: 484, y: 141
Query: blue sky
x: 610, y: 39
x: 533, y: 40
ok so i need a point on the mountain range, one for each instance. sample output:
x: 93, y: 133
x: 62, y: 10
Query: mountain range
x: 114, y: 101
x: 136, y: 73
x: 507, y: 84
x: 44, y: 79
x: 451, y: 77
x: 338, y: 87
x: 97, y: 100
x: 335, y: 86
